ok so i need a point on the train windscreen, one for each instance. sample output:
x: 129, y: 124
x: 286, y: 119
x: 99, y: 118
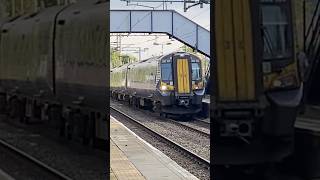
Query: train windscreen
x: 196, y: 73
x: 166, y: 72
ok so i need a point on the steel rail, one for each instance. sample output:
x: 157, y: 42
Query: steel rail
x: 40, y: 164
x: 203, y: 122
x: 202, y: 133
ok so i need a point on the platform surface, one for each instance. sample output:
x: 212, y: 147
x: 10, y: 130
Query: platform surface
x: 130, y: 155
x: 121, y: 167
x: 5, y: 176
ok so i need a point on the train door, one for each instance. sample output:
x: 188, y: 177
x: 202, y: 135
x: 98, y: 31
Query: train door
x: 182, y: 74
x: 237, y: 75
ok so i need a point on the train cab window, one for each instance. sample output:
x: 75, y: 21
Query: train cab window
x: 166, y: 71
x: 277, y: 39
x: 196, y: 72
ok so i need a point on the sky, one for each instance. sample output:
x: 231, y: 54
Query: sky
x: 132, y: 43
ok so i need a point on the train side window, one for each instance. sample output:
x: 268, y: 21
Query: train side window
x: 196, y: 72
x: 166, y: 71
x: 276, y: 32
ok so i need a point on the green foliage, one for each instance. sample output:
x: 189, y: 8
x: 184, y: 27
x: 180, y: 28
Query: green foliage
x: 205, y: 63
x: 118, y: 59
x: 186, y: 48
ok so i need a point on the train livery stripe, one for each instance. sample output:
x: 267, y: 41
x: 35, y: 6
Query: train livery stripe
x: 224, y: 51
x: 183, y: 76
x: 244, y: 50
x: 234, y: 51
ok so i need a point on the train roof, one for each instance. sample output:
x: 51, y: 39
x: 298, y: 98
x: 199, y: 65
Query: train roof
x: 120, y: 67
x: 151, y: 59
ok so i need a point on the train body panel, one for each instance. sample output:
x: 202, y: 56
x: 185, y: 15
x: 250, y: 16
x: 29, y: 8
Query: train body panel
x: 2, y: 22
x: 307, y: 17
x: 27, y: 42
x: 82, y: 27
x: 142, y: 75
x: 118, y: 77
x: 173, y: 83
x: 261, y: 113
x: 236, y: 73
x: 53, y: 68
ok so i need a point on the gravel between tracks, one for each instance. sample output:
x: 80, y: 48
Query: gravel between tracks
x: 72, y: 159
x: 190, y: 140
x: 196, y: 125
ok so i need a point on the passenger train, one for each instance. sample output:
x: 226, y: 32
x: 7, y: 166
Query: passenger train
x: 261, y: 49
x: 170, y: 84
x: 53, y: 68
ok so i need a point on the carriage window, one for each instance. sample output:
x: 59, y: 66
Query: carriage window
x: 166, y: 72
x: 276, y: 31
x: 196, y: 71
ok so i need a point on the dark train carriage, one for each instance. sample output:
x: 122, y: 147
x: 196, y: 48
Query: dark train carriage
x: 80, y: 67
x: 80, y: 54
x: 53, y: 68
x: 26, y: 53
x: 142, y: 77
x: 2, y: 90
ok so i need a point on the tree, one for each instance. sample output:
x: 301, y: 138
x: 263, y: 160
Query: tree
x: 205, y: 63
x: 118, y: 59
x: 186, y: 48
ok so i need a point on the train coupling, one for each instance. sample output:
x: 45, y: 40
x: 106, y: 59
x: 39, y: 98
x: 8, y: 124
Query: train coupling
x: 183, y: 102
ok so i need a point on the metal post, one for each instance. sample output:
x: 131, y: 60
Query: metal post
x: 120, y: 48
x: 162, y: 49
x: 139, y: 53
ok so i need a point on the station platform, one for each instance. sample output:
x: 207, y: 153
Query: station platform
x: 5, y: 176
x: 132, y: 158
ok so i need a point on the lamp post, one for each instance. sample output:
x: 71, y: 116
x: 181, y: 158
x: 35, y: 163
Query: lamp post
x: 135, y: 50
x: 162, y: 44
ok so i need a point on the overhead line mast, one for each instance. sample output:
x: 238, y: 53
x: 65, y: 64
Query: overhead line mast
x: 187, y: 3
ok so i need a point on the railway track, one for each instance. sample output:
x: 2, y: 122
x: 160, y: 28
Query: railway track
x: 190, y: 128
x: 53, y: 173
x: 162, y: 138
x: 204, y: 122
x: 196, y: 126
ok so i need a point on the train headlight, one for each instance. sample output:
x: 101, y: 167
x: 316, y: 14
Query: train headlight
x: 163, y: 87
x: 286, y: 81
x: 198, y: 86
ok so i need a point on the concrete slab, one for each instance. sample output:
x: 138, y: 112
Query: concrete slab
x: 149, y: 161
x: 5, y: 176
